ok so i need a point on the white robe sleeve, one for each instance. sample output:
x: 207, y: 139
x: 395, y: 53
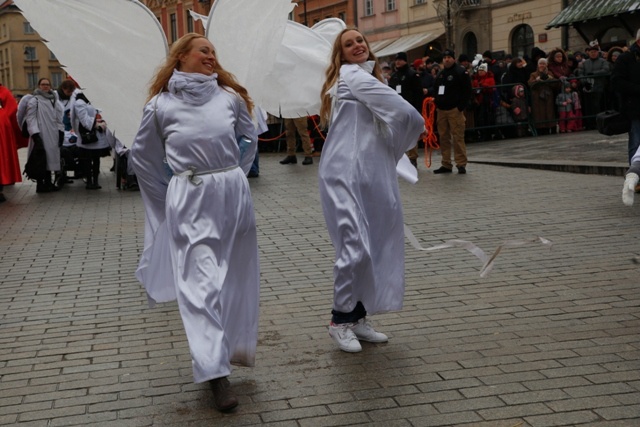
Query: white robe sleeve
x: 401, y: 118
x: 147, y: 156
x: 245, y: 127
x: 32, y: 116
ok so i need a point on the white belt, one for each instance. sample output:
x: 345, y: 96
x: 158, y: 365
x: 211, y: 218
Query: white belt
x: 192, y: 174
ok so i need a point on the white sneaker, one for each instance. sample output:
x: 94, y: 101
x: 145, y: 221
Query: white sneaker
x: 364, y: 331
x: 344, y: 337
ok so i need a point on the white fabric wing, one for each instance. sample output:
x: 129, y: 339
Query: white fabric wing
x: 280, y: 62
x: 329, y: 28
x: 246, y: 35
x: 111, y: 48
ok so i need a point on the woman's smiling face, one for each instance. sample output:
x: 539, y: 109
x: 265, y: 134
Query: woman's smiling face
x: 200, y: 58
x: 354, y: 47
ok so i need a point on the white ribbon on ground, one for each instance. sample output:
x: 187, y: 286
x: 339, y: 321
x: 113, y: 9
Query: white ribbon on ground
x: 487, y: 261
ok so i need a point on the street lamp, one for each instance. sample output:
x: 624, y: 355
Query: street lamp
x: 27, y: 53
x: 305, y: 12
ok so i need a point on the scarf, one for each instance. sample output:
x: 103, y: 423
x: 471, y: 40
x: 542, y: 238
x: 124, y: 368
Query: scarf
x: 49, y: 95
x: 193, y: 88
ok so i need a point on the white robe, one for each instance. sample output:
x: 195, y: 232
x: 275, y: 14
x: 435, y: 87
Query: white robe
x: 200, y: 239
x: 45, y: 117
x: 371, y: 128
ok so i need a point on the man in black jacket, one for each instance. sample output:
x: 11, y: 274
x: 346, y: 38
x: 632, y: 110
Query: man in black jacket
x: 453, y: 93
x: 406, y: 81
x: 626, y: 83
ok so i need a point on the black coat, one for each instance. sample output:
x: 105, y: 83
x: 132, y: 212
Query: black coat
x: 410, y: 85
x: 626, y: 81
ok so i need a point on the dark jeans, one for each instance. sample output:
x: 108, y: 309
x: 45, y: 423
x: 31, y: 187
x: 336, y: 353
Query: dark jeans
x: 358, y: 313
x: 634, y: 138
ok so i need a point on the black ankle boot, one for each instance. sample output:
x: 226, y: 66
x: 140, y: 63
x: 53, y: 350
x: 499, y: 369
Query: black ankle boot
x: 289, y: 160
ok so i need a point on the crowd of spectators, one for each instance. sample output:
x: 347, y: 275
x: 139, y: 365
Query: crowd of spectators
x: 540, y: 93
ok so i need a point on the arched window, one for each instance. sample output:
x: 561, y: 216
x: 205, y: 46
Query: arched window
x: 522, y: 40
x: 470, y: 44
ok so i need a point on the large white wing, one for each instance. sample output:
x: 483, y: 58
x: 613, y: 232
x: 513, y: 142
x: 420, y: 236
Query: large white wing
x: 280, y: 62
x: 111, y: 48
x: 329, y: 28
x: 246, y: 35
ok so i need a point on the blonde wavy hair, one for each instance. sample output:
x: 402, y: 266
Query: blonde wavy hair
x: 333, y: 73
x: 160, y: 81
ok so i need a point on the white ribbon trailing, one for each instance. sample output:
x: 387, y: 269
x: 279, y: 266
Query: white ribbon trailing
x: 487, y: 261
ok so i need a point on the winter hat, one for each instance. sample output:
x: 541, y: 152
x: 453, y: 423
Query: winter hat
x: 463, y: 58
x: 402, y: 56
x: 487, y: 54
x: 517, y: 88
x: 417, y: 63
x: 483, y: 67
x: 449, y: 52
x: 593, y: 45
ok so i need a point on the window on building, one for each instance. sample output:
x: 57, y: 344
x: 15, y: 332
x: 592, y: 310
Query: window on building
x: 30, y: 53
x: 470, y: 44
x: 368, y: 7
x: 174, y: 27
x: 189, y: 23
x: 27, y: 28
x: 342, y: 16
x: 420, y: 2
x: 32, y: 79
x: 521, y: 40
x: 391, y: 5
x: 56, y: 79
x: 52, y: 56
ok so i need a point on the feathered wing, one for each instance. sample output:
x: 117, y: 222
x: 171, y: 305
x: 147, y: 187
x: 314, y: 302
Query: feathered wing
x: 111, y: 48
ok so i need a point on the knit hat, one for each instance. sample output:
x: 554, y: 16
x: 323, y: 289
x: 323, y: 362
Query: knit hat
x: 487, y: 54
x: 449, y: 52
x: 402, y: 56
x: 417, y: 63
x: 463, y: 58
x: 483, y: 67
x: 593, y: 45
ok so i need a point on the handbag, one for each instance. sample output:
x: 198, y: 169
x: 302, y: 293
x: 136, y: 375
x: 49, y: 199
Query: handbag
x: 36, y: 166
x: 612, y: 122
x: 88, y: 136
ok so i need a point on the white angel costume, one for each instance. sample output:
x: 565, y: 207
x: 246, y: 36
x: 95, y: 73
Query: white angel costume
x: 371, y: 128
x: 200, y: 234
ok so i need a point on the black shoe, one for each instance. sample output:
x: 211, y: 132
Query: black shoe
x: 2, y: 198
x: 223, y: 396
x: 253, y: 174
x: 442, y: 169
x: 289, y: 160
x: 307, y: 161
x: 462, y: 169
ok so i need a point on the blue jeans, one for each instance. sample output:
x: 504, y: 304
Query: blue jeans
x: 634, y: 138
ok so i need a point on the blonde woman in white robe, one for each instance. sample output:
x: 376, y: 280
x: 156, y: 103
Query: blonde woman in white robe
x: 200, y: 233
x: 370, y: 127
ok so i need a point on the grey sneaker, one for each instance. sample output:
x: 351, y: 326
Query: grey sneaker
x: 344, y: 337
x: 364, y: 331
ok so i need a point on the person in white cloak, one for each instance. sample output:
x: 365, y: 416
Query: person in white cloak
x: 44, y: 123
x: 371, y: 127
x: 200, y: 233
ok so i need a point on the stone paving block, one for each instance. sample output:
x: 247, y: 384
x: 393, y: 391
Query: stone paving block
x: 563, y: 312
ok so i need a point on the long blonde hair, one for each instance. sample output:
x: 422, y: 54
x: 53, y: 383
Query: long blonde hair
x: 160, y: 81
x: 333, y: 73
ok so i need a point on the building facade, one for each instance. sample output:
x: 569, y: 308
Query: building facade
x: 174, y: 16
x: 24, y: 58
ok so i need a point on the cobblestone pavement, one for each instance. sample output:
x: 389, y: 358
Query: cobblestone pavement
x: 550, y: 338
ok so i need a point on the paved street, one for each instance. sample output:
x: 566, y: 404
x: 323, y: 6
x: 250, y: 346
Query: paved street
x: 549, y: 338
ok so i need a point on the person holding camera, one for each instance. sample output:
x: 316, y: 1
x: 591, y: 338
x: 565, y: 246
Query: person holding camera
x: 542, y: 83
